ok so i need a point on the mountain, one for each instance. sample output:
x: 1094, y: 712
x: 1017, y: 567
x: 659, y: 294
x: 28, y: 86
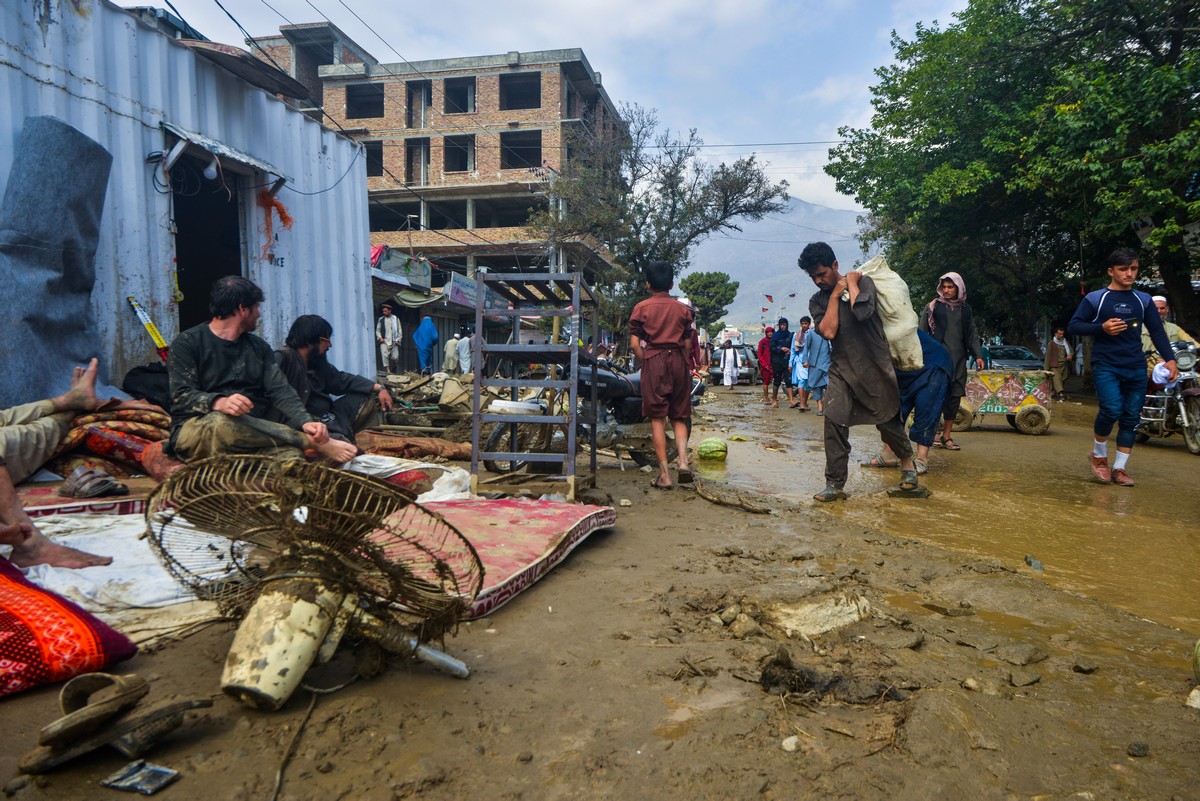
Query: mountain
x: 762, y: 259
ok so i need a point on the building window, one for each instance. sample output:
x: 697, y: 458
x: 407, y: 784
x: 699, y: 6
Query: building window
x: 420, y: 95
x: 446, y: 214
x: 364, y: 100
x: 521, y: 90
x: 374, y: 159
x: 416, y: 162
x: 459, y: 153
x: 520, y: 150
x: 507, y: 212
x: 404, y: 216
x: 459, y: 95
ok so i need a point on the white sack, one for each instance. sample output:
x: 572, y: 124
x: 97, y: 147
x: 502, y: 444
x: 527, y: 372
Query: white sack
x: 896, y: 311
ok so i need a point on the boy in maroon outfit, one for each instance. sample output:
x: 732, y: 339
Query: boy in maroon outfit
x: 662, y: 331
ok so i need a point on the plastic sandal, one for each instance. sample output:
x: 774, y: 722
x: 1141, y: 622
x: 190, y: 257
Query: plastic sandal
x: 878, y: 461
x: 908, y: 479
x: 830, y: 493
x: 949, y: 444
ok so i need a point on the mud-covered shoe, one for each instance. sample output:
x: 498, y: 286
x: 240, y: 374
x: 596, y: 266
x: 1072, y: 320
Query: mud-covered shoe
x: 831, y: 492
x: 1119, y: 476
x: 1100, y: 468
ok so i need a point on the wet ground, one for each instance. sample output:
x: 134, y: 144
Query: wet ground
x: 1004, y: 495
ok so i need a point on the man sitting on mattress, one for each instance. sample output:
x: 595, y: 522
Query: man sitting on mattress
x: 29, y: 434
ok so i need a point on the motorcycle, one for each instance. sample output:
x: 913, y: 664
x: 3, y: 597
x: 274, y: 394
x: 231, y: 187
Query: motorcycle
x: 1175, y: 410
x: 620, y: 425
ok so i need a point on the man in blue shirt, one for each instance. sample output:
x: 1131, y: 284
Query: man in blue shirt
x: 1114, y: 317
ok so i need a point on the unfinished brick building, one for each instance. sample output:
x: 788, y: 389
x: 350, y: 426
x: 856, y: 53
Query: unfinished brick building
x: 458, y: 150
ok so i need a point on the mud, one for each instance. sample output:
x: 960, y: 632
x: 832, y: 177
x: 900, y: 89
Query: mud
x: 636, y: 668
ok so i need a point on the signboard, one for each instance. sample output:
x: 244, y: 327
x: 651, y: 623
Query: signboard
x: 462, y: 291
x: 415, y: 271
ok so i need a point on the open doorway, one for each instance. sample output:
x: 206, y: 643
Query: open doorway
x: 208, y: 237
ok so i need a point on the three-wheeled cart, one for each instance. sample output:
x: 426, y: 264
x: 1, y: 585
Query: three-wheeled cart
x: 1023, y: 396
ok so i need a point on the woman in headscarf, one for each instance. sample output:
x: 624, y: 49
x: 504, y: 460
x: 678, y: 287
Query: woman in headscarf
x: 764, y: 362
x: 949, y: 320
x: 781, y: 350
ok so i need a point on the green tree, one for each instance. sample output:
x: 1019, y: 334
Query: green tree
x: 1016, y: 146
x: 711, y: 293
x: 645, y: 193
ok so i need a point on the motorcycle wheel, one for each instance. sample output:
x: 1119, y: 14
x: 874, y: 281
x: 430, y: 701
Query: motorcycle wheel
x: 531, y: 438
x: 1191, y: 434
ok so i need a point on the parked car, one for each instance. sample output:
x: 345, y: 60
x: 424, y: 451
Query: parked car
x: 748, y: 372
x: 1014, y: 357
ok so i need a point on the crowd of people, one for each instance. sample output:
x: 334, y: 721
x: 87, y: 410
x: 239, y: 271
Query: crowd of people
x: 840, y: 360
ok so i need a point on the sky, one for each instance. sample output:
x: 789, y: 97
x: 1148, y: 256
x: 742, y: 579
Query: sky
x: 771, y: 77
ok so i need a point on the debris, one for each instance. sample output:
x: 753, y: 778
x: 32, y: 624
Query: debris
x: 1193, y: 699
x: 728, y: 497
x: 744, y: 627
x: 809, y: 620
x: 1023, y: 678
x: 791, y: 744
x: 1034, y: 563
x: 1085, y: 667
x: 624, y: 502
x: 141, y: 777
x: 1020, y: 654
x: 780, y: 676
x: 1138, y: 749
x: 917, y: 492
x: 949, y: 611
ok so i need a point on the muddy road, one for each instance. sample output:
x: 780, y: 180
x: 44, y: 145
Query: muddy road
x: 679, y: 654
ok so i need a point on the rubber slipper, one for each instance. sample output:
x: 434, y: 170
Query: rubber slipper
x: 949, y: 444
x: 44, y: 757
x: 878, y: 461
x: 88, y: 702
x: 908, y: 479
x: 686, y: 477
x: 830, y: 493
x: 664, y: 487
x: 922, y: 467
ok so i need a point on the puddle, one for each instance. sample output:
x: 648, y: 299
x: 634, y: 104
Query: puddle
x: 1004, y: 496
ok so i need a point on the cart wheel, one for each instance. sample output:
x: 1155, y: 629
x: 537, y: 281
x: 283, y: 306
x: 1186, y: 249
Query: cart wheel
x: 1033, y: 420
x: 963, y: 419
x: 1012, y: 419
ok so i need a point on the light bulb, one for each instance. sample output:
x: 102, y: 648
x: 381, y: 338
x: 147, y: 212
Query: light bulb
x: 210, y: 172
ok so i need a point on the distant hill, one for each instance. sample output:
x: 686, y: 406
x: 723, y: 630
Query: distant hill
x: 763, y: 260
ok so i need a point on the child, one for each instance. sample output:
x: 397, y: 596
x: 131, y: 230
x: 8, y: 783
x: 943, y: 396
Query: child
x: 661, y: 334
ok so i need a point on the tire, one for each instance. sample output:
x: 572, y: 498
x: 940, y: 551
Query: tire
x: 1191, y: 434
x: 1012, y: 419
x: 964, y: 419
x: 530, y: 439
x: 1033, y: 420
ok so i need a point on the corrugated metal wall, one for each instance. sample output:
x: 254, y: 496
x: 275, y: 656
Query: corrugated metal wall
x: 97, y: 68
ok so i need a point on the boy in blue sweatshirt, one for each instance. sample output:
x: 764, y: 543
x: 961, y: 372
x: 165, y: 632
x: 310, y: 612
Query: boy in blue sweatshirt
x: 1115, y: 317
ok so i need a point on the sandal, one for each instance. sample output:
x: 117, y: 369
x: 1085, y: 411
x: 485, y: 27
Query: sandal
x: 922, y: 467
x: 949, y: 444
x: 878, y: 461
x: 685, y: 476
x: 656, y: 483
x: 908, y: 480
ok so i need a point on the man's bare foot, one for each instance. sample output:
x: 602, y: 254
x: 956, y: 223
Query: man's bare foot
x: 337, y: 450
x: 37, y: 550
x: 82, y: 394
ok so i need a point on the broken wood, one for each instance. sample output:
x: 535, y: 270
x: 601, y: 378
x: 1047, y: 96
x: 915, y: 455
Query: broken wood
x: 730, y: 498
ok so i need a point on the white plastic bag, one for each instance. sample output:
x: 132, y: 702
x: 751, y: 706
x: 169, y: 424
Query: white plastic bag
x: 896, y: 311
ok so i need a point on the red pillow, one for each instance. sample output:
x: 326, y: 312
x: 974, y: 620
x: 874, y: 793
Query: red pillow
x: 46, y: 638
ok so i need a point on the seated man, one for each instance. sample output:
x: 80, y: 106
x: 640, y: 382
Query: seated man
x: 29, y: 435
x: 224, y: 380
x: 1174, y: 332
x: 307, y: 369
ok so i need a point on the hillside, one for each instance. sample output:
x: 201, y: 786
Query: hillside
x: 763, y: 260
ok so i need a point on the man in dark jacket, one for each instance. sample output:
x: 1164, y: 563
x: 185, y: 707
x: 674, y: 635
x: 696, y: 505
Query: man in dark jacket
x: 306, y: 367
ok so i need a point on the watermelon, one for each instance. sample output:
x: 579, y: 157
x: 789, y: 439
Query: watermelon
x: 1196, y: 661
x: 712, y: 448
